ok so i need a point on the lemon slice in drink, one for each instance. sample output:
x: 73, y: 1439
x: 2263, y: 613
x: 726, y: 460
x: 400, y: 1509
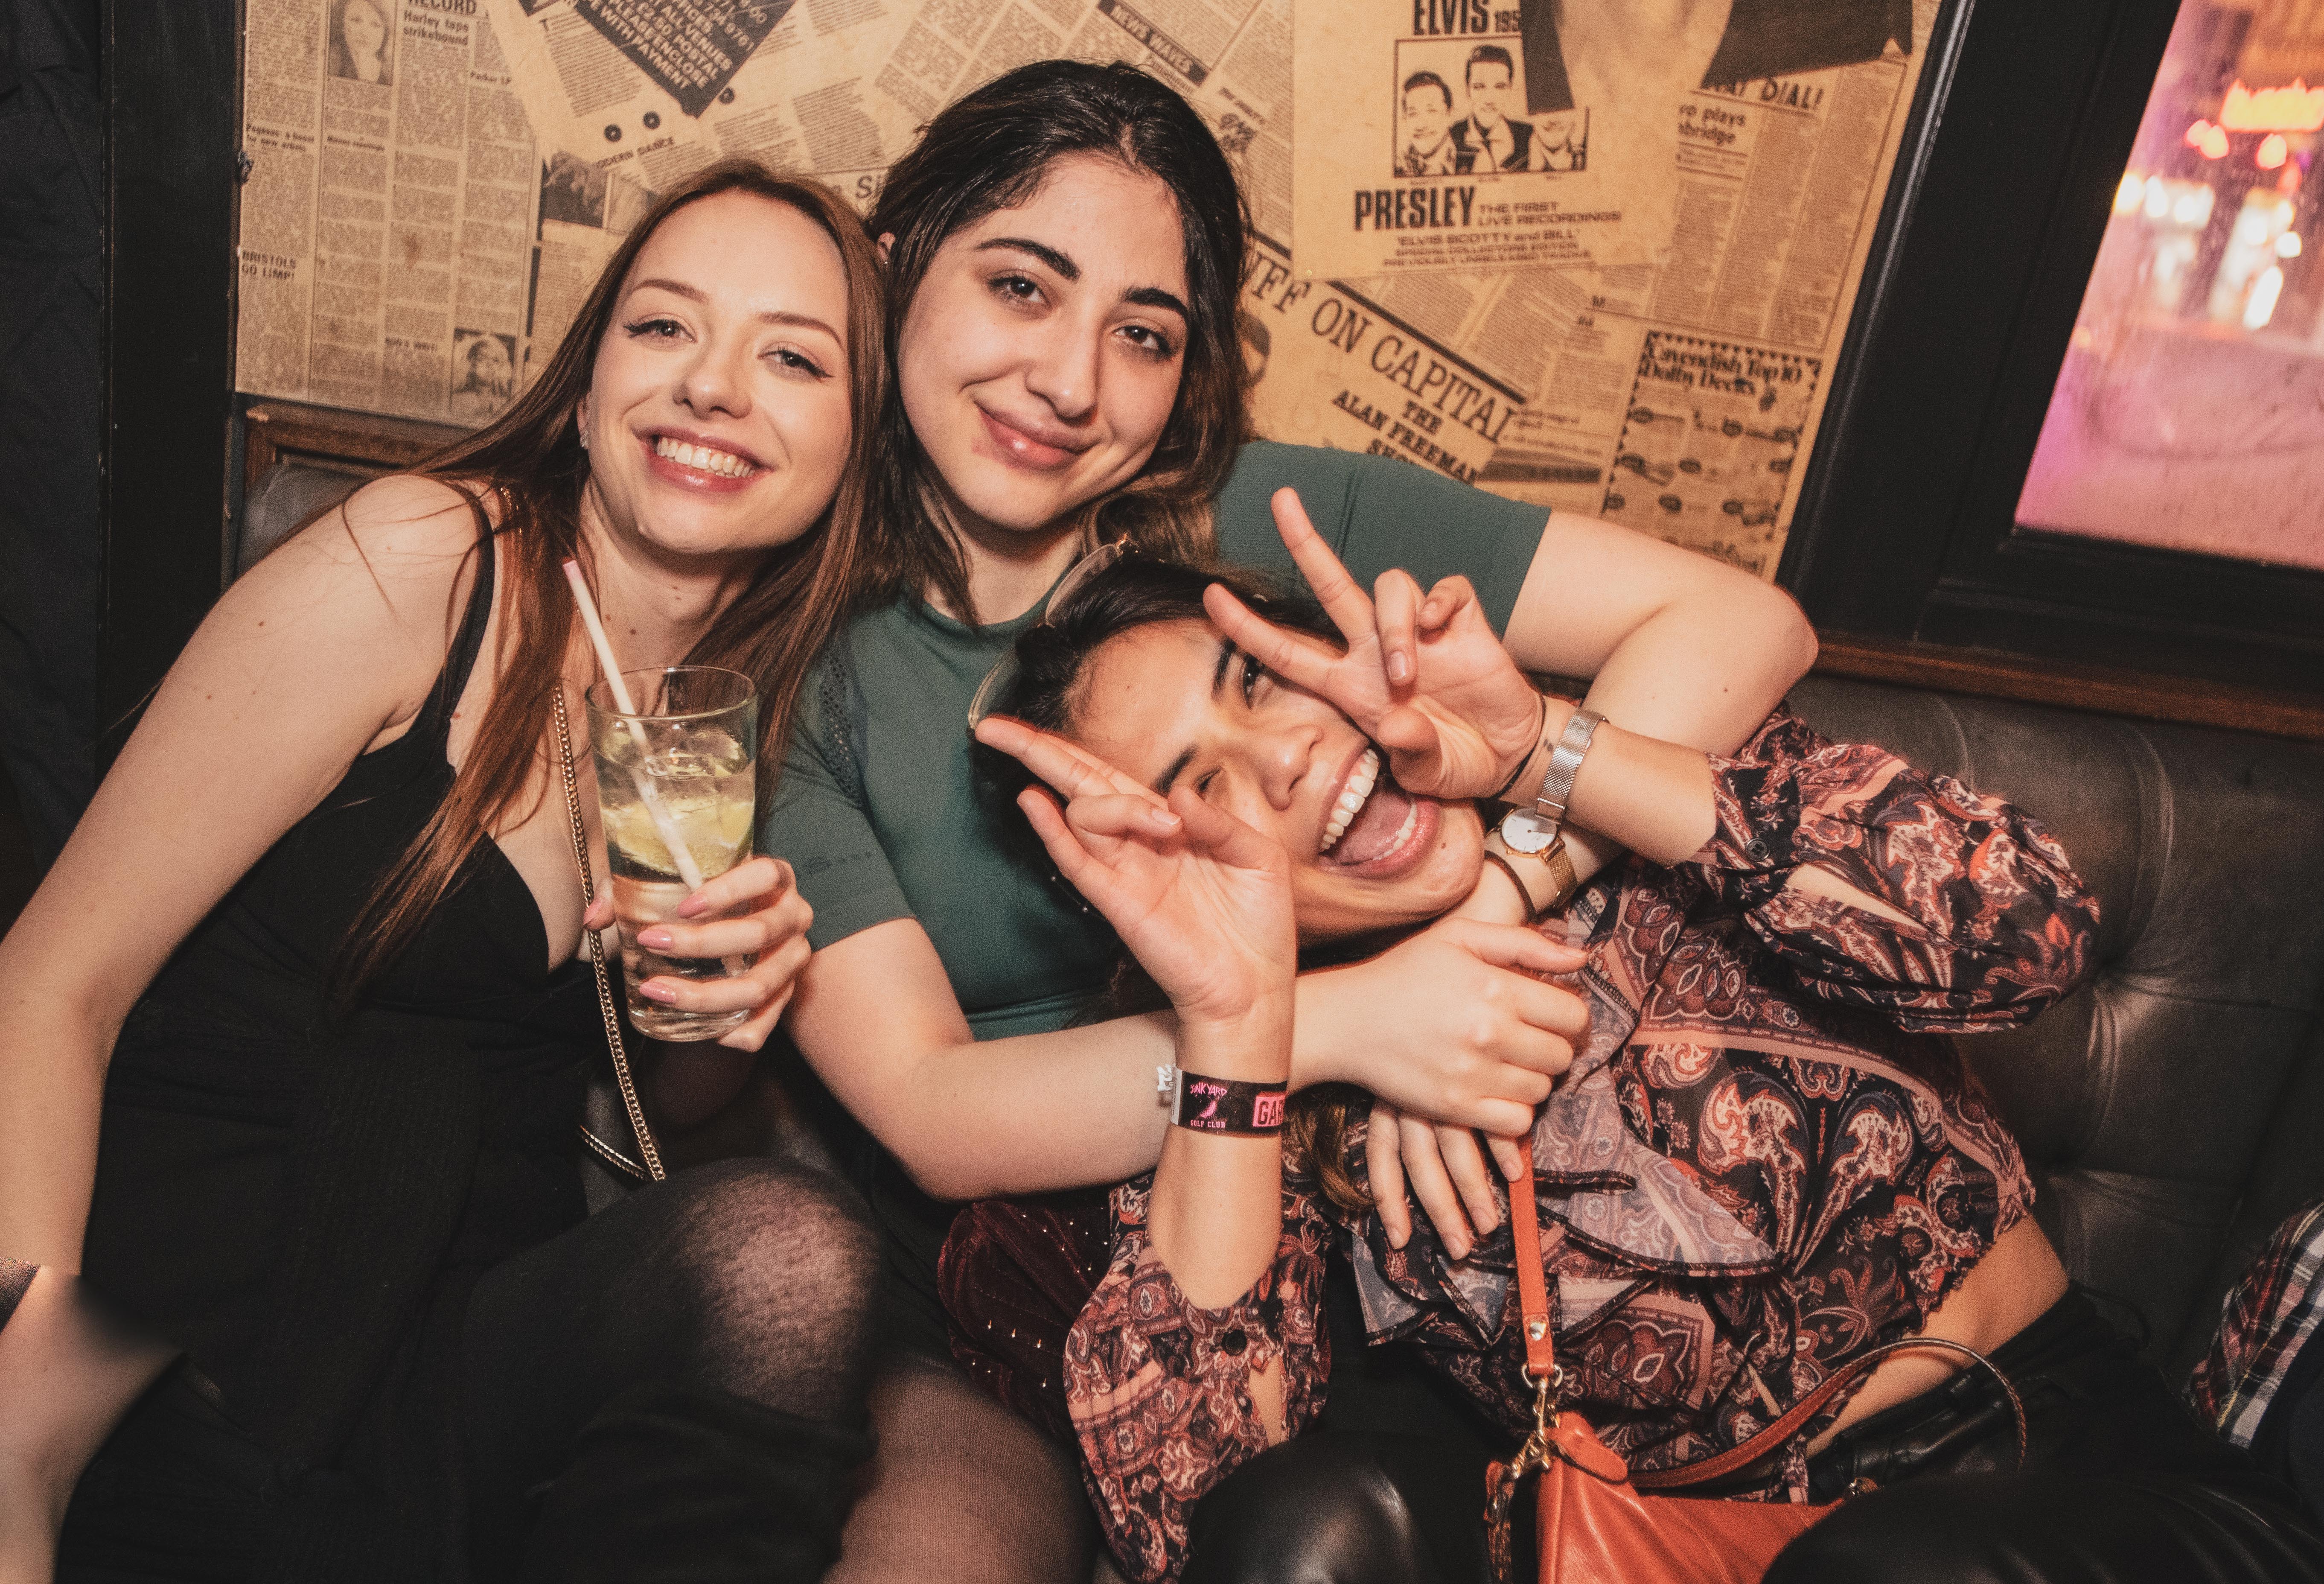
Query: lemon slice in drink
x: 715, y: 830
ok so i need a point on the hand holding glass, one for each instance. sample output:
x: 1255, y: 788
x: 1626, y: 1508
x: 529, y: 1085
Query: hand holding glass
x: 677, y: 788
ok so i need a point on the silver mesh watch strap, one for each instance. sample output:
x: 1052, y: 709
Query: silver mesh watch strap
x: 1565, y: 763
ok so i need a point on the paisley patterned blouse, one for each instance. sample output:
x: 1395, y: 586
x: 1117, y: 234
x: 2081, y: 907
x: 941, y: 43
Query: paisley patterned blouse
x: 1766, y: 1159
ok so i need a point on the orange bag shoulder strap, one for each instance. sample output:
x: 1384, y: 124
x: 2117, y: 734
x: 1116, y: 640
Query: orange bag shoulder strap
x: 1541, y: 1364
x: 1533, y: 1283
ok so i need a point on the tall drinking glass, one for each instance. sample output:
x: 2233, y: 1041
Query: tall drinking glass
x: 677, y: 787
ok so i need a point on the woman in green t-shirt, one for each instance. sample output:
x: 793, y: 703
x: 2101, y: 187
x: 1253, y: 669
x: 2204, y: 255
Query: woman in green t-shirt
x: 1063, y: 249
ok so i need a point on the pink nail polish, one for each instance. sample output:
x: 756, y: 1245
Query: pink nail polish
x: 654, y: 939
x: 652, y: 991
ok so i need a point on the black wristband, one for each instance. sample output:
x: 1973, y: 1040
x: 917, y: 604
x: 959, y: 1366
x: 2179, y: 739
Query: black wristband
x: 1225, y: 1105
x: 1540, y: 730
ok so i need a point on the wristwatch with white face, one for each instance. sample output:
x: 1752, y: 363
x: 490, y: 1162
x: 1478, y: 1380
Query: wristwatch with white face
x: 1526, y: 832
x: 1540, y: 866
x: 1529, y: 840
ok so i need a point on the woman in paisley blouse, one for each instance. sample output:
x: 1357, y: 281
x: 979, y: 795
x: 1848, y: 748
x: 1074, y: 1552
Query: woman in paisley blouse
x: 1764, y: 1159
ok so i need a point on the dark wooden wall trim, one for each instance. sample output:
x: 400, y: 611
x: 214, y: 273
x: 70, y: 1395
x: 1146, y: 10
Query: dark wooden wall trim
x: 2068, y: 685
x: 173, y: 115
x: 330, y: 437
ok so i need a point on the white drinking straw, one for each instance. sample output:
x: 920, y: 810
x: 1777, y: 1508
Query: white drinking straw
x: 665, y: 826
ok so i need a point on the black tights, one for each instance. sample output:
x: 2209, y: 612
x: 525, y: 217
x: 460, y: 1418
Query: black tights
x: 962, y: 1490
x: 671, y: 1390
x: 682, y: 1374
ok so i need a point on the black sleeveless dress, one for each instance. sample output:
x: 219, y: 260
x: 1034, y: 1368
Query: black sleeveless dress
x: 302, y: 1199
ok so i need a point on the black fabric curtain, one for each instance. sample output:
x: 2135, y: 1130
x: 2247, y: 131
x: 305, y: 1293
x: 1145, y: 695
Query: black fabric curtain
x: 51, y: 408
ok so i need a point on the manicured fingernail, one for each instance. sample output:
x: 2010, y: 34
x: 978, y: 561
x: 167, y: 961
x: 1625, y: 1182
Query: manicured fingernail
x: 1399, y: 666
x: 654, y: 990
x: 654, y: 939
x: 1166, y: 818
x: 689, y: 907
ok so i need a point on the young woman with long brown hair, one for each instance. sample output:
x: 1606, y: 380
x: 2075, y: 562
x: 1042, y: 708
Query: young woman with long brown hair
x: 1064, y: 249
x: 297, y: 1028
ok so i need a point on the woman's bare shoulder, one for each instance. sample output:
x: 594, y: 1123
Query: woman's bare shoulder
x: 311, y: 655
x: 368, y: 595
x: 400, y: 549
x: 404, y: 525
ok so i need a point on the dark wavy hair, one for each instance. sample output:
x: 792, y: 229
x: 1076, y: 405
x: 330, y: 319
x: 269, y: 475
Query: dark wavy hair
x: 1137, y: 591
x: 990, y: 151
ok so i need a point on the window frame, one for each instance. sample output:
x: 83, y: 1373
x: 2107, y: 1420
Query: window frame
x: 1907, y: 530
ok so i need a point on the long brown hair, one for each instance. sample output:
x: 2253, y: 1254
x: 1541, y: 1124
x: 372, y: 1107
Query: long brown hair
x: 530, y: 462
x: 991, y: 149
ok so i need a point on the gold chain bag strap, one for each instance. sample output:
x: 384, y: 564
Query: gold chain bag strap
x: 1597, y: 1523
x: 652, y: 1171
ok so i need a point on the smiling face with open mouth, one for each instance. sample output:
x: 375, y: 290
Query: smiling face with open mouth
x: 1174, y: 703
x: 717, y: 415
x: 1040, y: 356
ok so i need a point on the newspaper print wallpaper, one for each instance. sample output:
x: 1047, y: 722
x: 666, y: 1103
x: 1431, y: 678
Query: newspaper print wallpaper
x: 1596, y: 254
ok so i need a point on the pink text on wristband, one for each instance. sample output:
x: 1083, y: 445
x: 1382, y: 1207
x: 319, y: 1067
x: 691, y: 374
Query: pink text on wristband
x: 1225, y: 1105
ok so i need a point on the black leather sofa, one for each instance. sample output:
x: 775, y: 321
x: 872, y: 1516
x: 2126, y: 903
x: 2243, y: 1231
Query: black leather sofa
x: 2173, y: 1109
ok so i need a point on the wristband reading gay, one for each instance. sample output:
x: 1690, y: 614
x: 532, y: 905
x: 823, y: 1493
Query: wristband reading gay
x: 1225, y: 1105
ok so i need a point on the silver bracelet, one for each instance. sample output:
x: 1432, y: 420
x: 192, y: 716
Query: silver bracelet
x: 1565, y: 764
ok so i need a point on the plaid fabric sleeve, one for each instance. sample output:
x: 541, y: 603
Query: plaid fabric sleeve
x: 2269, y: 1315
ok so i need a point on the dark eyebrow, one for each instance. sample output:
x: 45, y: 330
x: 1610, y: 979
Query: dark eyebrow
x: 1218, y: 680
x: 776, y: 316
x: 1040, y: 250
x: 1144, y: 296
x: 1155, y: 296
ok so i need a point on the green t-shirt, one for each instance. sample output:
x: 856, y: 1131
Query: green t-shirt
x: 880, y: 810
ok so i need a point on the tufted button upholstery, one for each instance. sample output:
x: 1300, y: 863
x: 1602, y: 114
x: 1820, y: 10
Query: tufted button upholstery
x: 2172, y: 1110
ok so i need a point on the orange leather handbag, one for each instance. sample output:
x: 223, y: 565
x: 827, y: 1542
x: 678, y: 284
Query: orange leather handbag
x: 1599, y: 1524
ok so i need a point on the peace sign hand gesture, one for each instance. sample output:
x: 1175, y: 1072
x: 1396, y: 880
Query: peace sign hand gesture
x: 1425, y: 679
x: 1202, y: 900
